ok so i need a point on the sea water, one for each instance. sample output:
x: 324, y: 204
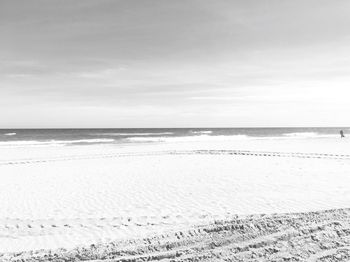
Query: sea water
x: 15, y: 137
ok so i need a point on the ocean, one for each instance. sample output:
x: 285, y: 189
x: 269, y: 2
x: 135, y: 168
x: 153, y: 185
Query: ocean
x: 15, y: 137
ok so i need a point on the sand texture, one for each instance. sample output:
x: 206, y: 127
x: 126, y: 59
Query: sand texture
x: 312, y: 236
x: 176, y: 201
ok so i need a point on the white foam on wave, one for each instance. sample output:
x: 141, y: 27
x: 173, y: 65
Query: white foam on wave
x: 187, y: 138
x: 136, y: 134
x: 10, y: 134
x: 206, y: 137
x: 309, y: 135
x: 202, y: 132
x: 52, y: 142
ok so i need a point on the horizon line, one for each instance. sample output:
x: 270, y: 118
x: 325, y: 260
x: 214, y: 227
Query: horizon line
x: 260, y: 127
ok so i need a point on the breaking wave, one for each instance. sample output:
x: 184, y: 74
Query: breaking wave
x: 10, y: 134
x: 187, y: 138
x: 135, y: 134
x: 202, y: 132
x: 309, y: 135
x: 53, y: 142
x: 207, y: 137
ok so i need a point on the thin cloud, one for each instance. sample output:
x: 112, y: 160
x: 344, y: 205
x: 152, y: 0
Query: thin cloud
x: 180, y: 62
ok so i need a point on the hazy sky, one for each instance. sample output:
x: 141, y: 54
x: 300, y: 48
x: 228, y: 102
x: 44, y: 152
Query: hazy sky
x: 167, y: 63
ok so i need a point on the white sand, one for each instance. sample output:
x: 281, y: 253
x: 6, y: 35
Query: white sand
x: 52, y: 197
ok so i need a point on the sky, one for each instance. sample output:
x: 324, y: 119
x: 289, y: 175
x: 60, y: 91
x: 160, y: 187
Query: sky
x: 166, y: 63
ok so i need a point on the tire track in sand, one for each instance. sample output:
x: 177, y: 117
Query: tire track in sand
x: 313, y: 236
x: 179, y: 152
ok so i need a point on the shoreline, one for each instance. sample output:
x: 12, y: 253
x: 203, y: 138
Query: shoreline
x: 308, y: 236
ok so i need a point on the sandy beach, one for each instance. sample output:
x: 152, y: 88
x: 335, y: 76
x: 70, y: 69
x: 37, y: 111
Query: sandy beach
x: 312, y: 236
x: 162, y: 130
x: 73, y: 199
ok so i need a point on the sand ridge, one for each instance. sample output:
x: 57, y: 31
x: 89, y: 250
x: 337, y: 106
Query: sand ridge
x: 312, y: 236
x: 179, y: 152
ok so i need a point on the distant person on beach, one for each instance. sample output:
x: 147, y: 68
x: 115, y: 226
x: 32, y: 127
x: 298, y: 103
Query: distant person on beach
x: 341, y: 134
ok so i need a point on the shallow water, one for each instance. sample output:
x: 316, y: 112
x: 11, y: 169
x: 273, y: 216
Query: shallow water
x: 60, y: 137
